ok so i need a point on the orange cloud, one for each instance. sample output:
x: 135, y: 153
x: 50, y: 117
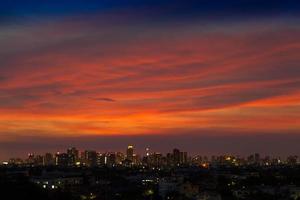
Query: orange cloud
x: 143, y: 80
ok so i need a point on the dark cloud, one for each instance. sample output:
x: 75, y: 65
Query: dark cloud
x: 230, y: 97
x: 104, y: 99
x: 17, y: 100
x: 3, y: 78
x: 19, y: 97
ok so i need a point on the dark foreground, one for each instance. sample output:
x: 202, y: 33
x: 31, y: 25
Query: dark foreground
x: 120, y: 183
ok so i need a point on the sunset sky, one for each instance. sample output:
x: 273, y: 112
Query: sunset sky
x: 206, y: 76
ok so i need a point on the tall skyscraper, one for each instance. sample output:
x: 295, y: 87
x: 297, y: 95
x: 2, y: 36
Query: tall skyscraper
x: 176, y: 156
x: 129, y: 153
x: 73, y: 155
x: 91, y: 158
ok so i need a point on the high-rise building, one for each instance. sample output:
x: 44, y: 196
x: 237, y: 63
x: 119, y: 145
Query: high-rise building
x: 120, y: 157
x: 30, y: 159
x: 38, y: 160
x: 146, y: 159
x: 179, y: 157
x: 176, y: 156
x: 185, y: 157
x: 170, y: 159
x: 91, y: 158
x: 129, y: 153
x: 101, y: 159
x: 147, y: 151
x: 73, y: 156
x: 250, y: 159
x: 257, y: 158
x: 48, y: 159
x: 136, y: 159
x: 61, y: 159
x: 111, y: 159
x: 157, y: 159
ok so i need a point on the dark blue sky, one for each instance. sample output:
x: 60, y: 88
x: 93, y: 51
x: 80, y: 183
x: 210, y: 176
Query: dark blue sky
x: 164, y: 8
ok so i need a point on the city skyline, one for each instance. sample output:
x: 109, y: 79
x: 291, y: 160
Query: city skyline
x: 204, y: 76
x: 72, y: 157
x: 131, y: 151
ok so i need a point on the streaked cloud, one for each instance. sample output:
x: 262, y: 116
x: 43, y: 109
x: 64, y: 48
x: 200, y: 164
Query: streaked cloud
x: 115, y: 72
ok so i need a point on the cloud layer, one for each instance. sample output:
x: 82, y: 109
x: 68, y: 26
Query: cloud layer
x: 118, y: 73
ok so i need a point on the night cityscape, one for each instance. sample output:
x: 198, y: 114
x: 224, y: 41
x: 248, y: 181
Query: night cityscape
x: 150, y: 99
x: 89, y: 174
